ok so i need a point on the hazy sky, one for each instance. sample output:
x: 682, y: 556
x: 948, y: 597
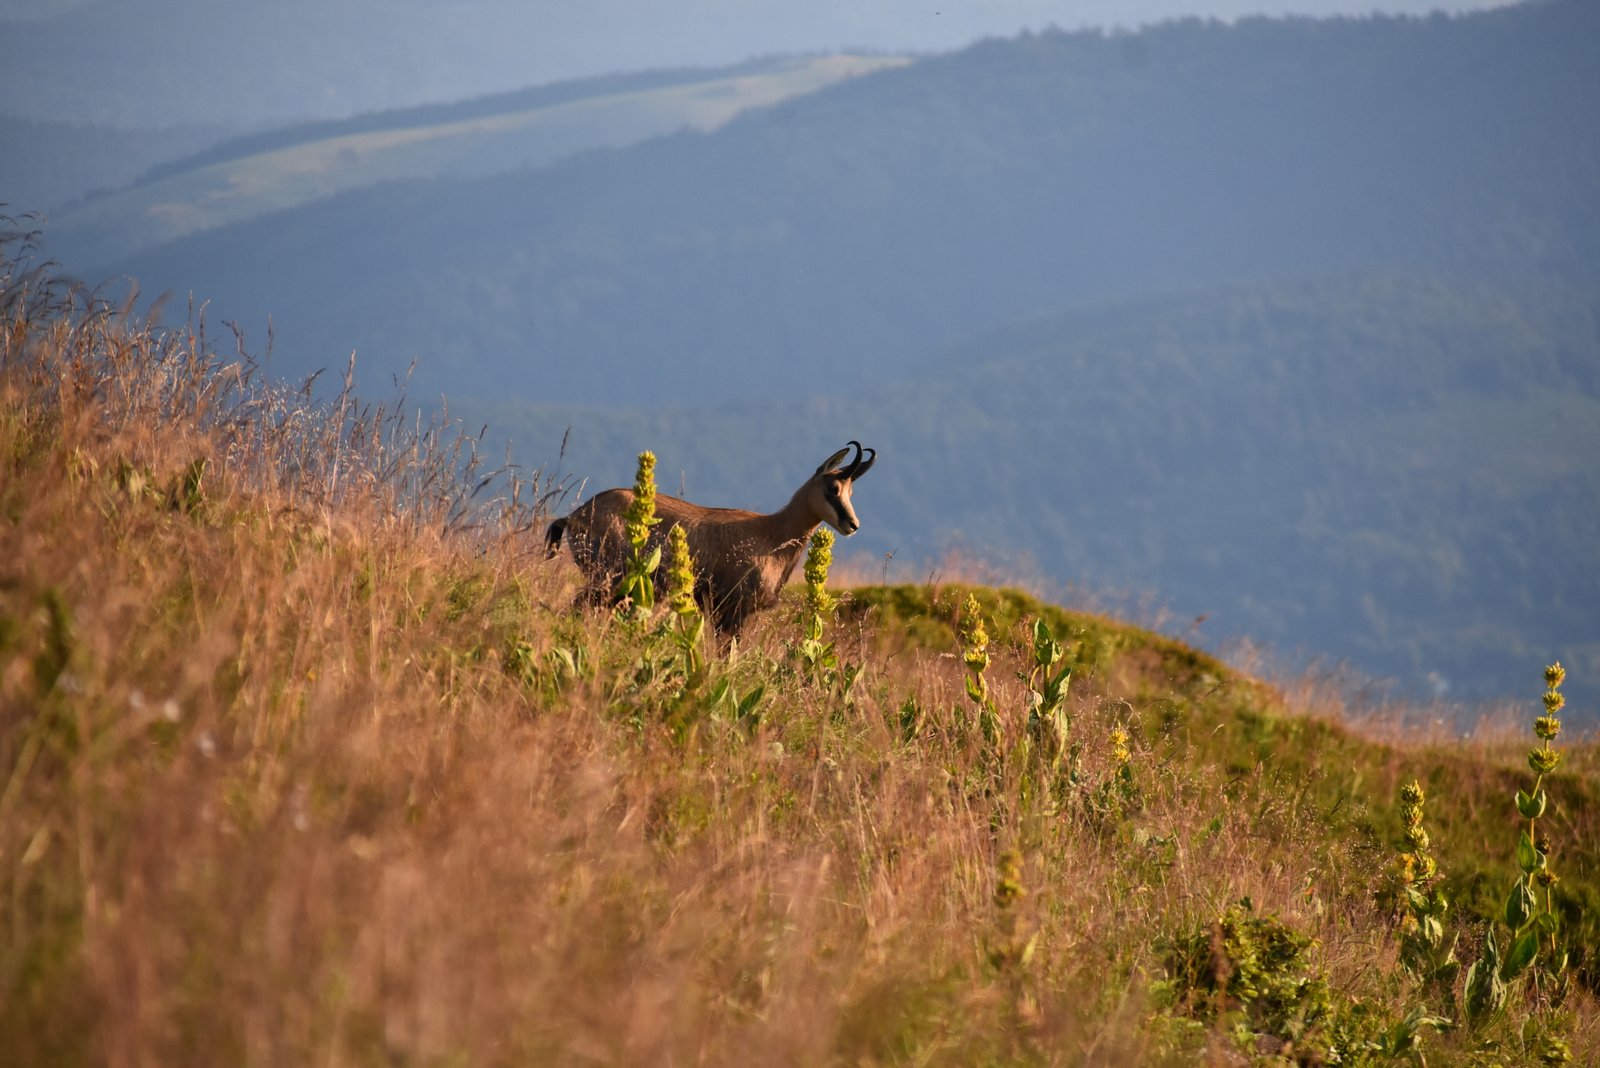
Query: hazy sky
x: 152, y: 63
x: 1062, y: 11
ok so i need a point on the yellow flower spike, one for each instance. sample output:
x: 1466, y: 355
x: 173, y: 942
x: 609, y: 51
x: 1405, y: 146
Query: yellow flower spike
x: 973, y: 634
x: 1119, y: 745
x: 641, y: 514
x: 819, y: 558
x: 1008, y: 888
x: 1555, y: 675
x: 637, y: 589
x: 680, y: 573
x: 1543, y: 761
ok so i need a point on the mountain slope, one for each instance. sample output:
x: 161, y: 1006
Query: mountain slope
x: 856, y: 230
x: 46, y: 164
x: 512, y: 132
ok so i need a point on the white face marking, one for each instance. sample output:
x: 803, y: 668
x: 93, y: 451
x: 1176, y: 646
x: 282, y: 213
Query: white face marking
x: 844, y: 514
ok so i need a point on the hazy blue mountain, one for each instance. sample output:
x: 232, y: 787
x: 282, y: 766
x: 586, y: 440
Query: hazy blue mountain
x: 46, y: 165
x: 277, y: 170
x: 852, y: 232
x: 159, y: 62
x: 1293, y: 323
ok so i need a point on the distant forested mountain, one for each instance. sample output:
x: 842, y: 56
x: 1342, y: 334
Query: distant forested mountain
x: 1291, y: 322
x: 246, y: 65
x: 854, y: 231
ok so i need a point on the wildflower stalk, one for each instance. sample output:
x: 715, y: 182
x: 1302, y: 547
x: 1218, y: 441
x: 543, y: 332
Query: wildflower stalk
x: 1013, y: 947
x: 1118, y: 793
x: 821, y: 658
x: 690, y: 625
x: 819, y: 558
x: 1536, y: 927
x: 1122, y: 757
x: 1423, y: 949
x: 975, y: 654
x: 1048, y: 723
x: 636, y: 594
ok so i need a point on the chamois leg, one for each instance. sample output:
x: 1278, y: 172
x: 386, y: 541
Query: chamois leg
x: 595, y: 593
x: 728, y: 617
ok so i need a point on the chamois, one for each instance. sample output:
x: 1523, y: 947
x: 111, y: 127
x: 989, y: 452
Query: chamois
x: 742, y: 559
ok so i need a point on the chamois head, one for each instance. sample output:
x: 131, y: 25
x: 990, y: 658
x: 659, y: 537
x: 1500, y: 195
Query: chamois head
x: 826, y: 494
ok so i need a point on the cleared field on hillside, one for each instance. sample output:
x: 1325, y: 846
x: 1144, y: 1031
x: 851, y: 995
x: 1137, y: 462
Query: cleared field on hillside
x: 147, y: 214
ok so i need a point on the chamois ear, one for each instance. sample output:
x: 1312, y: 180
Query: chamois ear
x: 831, y: 462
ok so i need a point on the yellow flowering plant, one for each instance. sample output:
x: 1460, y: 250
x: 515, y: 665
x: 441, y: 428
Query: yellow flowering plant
x: 690, y: 625
x: 636, y: 594
x: 819, y: 659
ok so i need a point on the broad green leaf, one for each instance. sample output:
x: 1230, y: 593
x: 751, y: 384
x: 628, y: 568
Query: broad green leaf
x: 1523, y: 949
x: 1531, y: 807
x: 751, y: 700
x: 1485, y: 990
x: 1046, y: 650
x: 1529, y: 859
x: 1520, y: 905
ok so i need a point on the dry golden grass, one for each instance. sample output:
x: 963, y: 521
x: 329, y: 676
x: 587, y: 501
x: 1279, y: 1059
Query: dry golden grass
x: 304, y: 760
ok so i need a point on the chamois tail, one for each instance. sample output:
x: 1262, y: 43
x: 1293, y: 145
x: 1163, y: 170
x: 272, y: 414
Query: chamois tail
x: 552, y: 538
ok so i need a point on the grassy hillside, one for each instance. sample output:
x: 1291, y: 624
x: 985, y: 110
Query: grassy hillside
x: 305, y: 757
x: 510, y: 132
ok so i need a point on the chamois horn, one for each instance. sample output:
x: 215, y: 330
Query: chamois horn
x: 858, y: 467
